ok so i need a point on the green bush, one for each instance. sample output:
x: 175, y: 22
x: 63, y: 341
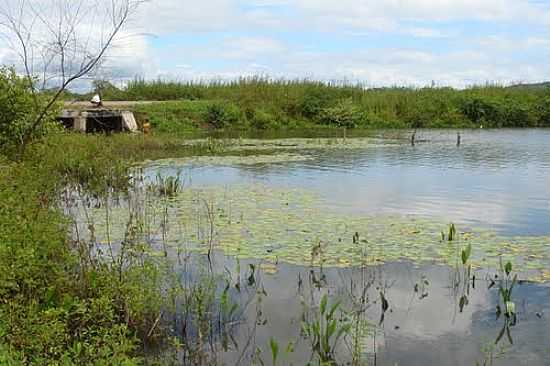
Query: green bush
x: 263, y: 120
x: 221, y: 115
x: 314, y: 101
x: 514, y: 114
x: 343, y: 114
x: 19, y: 108
x: 57, y: 305
x: 478, y: 110
x: 543, y: 112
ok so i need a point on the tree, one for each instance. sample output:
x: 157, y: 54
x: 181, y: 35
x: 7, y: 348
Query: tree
x: 59, y: 42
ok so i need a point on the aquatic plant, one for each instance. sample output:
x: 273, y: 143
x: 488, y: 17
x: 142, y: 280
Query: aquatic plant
x: 167, y: 186
x: 324, y: 331
x: 257, y: 221
x: 506, y: 306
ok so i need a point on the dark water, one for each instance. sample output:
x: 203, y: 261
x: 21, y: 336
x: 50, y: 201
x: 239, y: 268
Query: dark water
x: 495, y: 179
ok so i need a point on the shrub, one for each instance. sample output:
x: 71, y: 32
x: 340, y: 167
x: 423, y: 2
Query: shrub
x: 514, y: 114
x: 543, y: 112
x: 263, y: 120
x: 57, y: 307
x: 313, y: 102
x: 476, y: 109
x: 343, y: 114
x: 222, y: 115
x: 19, y: 108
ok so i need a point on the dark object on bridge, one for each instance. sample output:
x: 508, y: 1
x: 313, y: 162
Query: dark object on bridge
x: 98, y: 120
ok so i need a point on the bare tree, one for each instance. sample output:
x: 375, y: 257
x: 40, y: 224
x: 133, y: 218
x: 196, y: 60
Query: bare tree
x: 59, y: 42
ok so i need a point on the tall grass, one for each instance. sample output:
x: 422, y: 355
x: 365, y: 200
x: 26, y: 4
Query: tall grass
x: 266, y: 104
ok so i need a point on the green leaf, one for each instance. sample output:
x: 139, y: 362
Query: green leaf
x: 323, y: 306
x: 333, y: 308
x: 290, y: 347
x: 326, y: 346
x: 331, y: 328
x: 274, y: 350
x: 510, y: 308
x: 508, y: 268
x: 466, y: 253
x: 316, y: 330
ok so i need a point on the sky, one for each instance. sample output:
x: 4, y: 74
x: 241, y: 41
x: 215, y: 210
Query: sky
x: 375, y: 42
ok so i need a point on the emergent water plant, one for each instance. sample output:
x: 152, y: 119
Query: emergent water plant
x: 324, y: 331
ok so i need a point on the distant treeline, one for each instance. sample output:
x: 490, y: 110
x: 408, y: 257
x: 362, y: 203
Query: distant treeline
x: 263, y: 104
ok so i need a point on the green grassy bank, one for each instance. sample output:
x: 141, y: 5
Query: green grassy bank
x: 60, y: 304
x: 261, y: 104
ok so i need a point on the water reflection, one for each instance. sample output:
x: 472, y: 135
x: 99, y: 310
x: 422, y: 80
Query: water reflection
x: 495, y: 178
x: 422, y: 324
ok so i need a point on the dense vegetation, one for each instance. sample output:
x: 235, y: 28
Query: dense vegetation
x: 59, y: 304
x: 19, y: 108
x: 263, y: 104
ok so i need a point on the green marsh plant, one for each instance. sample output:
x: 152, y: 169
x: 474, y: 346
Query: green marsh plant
x: 325, y: 330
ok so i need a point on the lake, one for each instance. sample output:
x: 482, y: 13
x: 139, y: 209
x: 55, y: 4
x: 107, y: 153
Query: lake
x: 367, y: 222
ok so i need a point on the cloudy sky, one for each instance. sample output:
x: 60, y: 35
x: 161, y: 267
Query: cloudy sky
x: 378, y: 42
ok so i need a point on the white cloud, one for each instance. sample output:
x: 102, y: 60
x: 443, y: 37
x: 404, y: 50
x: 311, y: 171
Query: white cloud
x: 420, y: 32
x: 362, y: 11
x: 166, y: 16
x: 239, y: 38
x: 250, y: 48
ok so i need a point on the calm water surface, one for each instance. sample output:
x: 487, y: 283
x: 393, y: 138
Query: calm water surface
x: 499, y: 179
x: 496, y: 178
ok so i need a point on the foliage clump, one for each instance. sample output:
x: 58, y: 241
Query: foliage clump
x: 20, y: 107
x: 344, y: 114
x: 220, y: 114
x: 59, y: 304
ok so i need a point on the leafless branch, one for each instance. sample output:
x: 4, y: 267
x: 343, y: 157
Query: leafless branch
x: 70, y: 38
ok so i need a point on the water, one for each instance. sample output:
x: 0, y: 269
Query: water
x: 496, y: 179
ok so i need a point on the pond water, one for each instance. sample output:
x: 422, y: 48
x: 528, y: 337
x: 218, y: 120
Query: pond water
x: 496, y: 178
x: 286, y: 213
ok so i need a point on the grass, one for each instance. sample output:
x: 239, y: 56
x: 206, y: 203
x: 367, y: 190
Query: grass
x: 262, y: 104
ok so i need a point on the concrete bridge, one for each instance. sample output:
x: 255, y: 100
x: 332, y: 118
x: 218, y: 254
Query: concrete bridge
x: 98, y: 120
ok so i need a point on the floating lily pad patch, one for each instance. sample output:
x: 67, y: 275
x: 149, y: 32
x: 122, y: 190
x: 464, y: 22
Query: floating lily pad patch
x: 295, y: 226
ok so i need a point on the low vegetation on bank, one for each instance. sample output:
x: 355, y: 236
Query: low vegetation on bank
x: 262, y: 104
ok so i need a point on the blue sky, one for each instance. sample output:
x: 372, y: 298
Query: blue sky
x: 377, y: 42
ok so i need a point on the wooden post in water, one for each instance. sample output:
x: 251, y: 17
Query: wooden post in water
x: 413, y: 138
x: 458, y: 139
